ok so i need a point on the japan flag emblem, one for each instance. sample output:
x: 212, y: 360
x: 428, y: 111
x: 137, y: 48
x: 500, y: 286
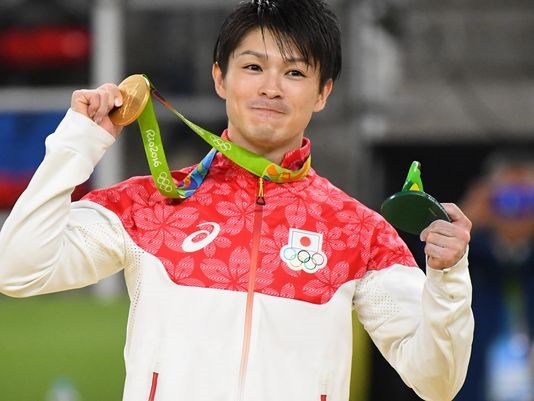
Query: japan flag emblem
x: 304, y: 251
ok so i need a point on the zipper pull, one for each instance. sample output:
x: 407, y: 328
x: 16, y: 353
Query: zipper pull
x: 260, y: 200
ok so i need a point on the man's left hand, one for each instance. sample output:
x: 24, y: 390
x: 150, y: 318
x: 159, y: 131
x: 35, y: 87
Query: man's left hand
x: 446, y: 242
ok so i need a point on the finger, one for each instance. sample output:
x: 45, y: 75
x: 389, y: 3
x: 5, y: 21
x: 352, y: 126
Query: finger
x: 93, y: 99
x: 435, y: 253
x: 439, y: 257
x: 80, y: 101
x: 446, y: 243
x: 114, y: 93
x: 106, y: 103
x: 438, y: 227
x: 443, y: 233
x: 117, y: 95
x: 111, y: 97
x: 456, y: 215
x: 96, y: 103
x: 458, y: 219
x: 456, y: 243
x: 440, y: 239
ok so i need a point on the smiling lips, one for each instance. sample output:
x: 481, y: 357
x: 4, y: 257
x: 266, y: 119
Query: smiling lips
x: 269, y: 107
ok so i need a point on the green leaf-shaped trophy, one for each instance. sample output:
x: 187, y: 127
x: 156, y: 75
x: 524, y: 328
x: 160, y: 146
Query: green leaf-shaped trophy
x: 411, y: 209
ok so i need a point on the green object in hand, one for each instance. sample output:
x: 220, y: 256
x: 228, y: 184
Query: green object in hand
x: 412, y: 210
x: 413, y: 179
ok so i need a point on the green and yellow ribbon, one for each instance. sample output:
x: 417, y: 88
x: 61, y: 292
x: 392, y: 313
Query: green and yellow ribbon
x: 244, y: 158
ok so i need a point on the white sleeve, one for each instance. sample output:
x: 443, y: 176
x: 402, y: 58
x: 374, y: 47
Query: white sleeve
x: 48, y: 244
x: 422, y: 325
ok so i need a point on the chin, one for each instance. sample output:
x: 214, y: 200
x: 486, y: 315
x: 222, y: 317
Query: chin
x: 263, y: 132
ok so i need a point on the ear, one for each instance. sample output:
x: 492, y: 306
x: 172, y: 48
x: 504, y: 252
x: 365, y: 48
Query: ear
x: 323, y: 95
x: 218, y: 80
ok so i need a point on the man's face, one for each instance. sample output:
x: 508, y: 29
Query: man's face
x: 269, y: 100
x: 511, y: 199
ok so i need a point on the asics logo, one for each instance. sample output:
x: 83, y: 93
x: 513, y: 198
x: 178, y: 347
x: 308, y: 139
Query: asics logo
x: 201, y: 238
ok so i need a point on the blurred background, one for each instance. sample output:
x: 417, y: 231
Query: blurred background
x: 449, y: 83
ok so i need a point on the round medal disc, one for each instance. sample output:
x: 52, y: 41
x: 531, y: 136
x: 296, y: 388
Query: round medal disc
x: 135, y: 91
x: 412, y: 211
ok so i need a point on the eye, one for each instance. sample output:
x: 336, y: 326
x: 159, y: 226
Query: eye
x: 295, y: 73
x: 252, y: 67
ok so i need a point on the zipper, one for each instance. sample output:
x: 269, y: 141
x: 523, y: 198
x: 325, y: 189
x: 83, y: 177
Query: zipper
x: 324, y: 386
x: 260, y: 199
x: 256, y: 234
x: 154, y: 386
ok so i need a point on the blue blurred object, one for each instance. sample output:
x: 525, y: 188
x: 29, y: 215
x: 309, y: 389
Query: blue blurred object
x: 63, y: 389
x: 508, y: 365
x: 513, y: 201
x: 509, y: 376
x: 22, y: 137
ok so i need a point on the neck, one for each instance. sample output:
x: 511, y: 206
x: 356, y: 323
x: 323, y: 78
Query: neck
x: 274, y: 153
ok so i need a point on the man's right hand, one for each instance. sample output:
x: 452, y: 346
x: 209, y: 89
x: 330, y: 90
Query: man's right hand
x: 96, y: 105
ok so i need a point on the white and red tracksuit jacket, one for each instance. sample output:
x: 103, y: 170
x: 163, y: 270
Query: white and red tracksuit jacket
x: 232, y: 299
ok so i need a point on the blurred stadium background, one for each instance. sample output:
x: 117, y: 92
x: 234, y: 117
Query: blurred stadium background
x: 443, y: 82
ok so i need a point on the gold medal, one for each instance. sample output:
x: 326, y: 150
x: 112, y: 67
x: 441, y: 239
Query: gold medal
x: 135, y: 92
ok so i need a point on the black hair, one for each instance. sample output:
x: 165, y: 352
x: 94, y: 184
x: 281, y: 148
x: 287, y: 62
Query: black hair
x: 308, y: 25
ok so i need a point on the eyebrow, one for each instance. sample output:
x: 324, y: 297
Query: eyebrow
x: 265, y: 56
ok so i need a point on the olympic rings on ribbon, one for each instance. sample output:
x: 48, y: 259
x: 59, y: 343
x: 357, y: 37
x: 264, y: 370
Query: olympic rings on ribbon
x: 221, y: 145
x: 164, y: 182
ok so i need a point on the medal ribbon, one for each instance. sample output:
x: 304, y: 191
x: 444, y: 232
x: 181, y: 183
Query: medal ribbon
x: 244, y: 158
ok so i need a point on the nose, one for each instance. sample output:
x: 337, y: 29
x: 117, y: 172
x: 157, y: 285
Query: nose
x: 270, y: 86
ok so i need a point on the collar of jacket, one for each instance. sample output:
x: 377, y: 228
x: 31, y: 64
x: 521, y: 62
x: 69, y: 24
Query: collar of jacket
x: 292, y: 160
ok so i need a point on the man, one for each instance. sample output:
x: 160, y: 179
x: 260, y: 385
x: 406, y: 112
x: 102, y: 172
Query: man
x: 244, y: 290
x: 501, y: 205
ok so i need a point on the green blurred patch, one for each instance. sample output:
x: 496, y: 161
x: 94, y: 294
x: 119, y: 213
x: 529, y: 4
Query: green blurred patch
x: 81, y: 338
x: 359, y: 379
x: 68, y: 336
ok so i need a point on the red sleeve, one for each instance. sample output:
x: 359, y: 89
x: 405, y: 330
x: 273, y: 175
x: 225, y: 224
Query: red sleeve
x: 388, y: 248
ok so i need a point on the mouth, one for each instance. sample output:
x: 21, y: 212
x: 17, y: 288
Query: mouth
x: 266, y: 108
x: 267, y: 112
